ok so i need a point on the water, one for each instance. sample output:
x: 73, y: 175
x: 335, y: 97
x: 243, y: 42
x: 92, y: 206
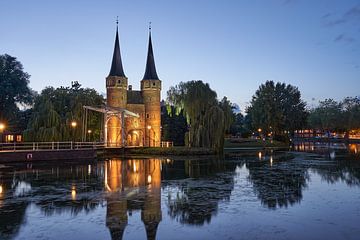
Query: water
x: 248, y: 195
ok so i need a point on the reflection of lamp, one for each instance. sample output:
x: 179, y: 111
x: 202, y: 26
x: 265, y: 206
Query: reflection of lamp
x: 73, y: 192
x: 149, y: 128
x: 149, y: 179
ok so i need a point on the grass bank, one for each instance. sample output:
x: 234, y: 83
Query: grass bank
x: 253, y: 143
x: 174, y: 151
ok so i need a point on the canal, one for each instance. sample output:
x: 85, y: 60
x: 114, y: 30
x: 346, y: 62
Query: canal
x: 310, y: 192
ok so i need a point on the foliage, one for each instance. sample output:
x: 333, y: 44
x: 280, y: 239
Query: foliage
x: 208, y: 119
x: 55, y: 109
x: 277, y: 108
x: 333, y: 115
x: 174, y: 126
x: 14, y: 89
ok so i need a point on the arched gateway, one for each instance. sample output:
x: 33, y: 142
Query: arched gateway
x: 131, y: 117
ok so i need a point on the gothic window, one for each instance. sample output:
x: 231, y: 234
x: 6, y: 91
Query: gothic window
x: 147, y: 115
x: 119, y: 81
x: 154, y: 84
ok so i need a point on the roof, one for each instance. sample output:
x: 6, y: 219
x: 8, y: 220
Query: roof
x: 134, y: 97
x: 116, y: 65
x: 150, y: 70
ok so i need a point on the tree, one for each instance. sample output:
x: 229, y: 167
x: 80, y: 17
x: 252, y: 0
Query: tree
x: 208, y: 119
x: 351, y: 108
x: 174, y: 125
x: 55, y: 109
x: 331, y: 115
x: 277, y: 108
x: 327, y: 116
x: 14, y: 88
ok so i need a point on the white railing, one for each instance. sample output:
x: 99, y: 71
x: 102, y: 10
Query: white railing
x: 40, y: 146
x: 167, y: 144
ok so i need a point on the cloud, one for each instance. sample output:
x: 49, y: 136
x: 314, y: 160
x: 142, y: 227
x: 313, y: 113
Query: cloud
x: 343, y: 38
x: 353, y: 14
x: 288, y: 1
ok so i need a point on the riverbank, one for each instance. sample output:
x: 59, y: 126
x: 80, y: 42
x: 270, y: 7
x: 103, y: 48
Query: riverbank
x: 171, y: 151
x: 253, y: 143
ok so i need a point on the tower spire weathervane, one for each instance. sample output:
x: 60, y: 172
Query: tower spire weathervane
x: 117, y: 21
x: 150, y: 27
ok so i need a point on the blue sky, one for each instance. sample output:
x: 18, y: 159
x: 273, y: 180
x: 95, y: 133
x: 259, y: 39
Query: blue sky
x: 233, y: 45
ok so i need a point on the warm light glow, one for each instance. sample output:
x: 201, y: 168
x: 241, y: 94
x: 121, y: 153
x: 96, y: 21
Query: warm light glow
x: 134, y: 167
x: 149, y: 179
x: 89, y: 169
x: 259, y: 130
x: 271, y: 161
x: 2, y: 126
x: 149, y: 127
x: 73, y: 124
x: 73, y: 193
x: 89, y: 131
x: 1, y: 189
x: 260, y: 155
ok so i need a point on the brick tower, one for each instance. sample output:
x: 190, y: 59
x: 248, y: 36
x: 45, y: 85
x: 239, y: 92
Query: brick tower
x: 150, y: 88
x: 116, y: 91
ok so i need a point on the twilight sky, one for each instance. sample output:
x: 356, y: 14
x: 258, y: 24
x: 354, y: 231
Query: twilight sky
x: 233, y: 45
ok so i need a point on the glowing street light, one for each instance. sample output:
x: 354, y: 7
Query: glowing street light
x: 2, y: 127
x: 73, y: 124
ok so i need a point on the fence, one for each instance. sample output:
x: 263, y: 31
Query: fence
x: 41, y: 146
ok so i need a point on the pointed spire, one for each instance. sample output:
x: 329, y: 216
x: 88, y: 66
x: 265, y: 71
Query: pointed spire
x: 150, y: 70
x: 116, y: 65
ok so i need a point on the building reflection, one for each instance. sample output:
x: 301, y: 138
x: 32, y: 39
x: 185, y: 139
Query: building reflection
x: 327, y: 148
x: 133, y: 185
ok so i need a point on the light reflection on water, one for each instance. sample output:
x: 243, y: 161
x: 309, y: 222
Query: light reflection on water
x: 252, y: 194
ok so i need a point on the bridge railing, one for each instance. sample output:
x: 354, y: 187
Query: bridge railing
x: 40, y: 146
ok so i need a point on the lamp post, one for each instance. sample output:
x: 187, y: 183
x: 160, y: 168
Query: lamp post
x: 2, y: 128
x: 73, y: 125
x: 89, y: 132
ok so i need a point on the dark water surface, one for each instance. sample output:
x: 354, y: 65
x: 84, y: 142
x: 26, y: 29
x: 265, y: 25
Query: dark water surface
x: 248, y: 195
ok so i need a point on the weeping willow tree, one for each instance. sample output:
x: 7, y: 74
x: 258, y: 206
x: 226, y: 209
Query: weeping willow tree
x: 208, y: 119
x: 55, y: 109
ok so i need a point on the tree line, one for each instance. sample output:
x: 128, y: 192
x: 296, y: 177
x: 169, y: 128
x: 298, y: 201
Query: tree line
x: 192, y: 114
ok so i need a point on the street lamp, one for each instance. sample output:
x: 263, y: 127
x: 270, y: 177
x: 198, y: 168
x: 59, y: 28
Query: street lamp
x: 73, y: 125
x: 2, y: 127
x: 89, y: 132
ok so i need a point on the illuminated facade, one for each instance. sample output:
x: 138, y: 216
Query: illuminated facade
x: 142, y: 131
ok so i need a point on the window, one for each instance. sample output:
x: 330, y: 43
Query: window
x: 154, y: 84
x: 9, y: 138
x: 119, y: 81
x: 147, y: 115
x: 18, y: 138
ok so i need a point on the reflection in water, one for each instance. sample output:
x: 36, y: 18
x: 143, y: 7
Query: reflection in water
x: 327, y: 148
x: 133, y: 185
x: 195, y: 200
x: 276, y: 182
x: 193, y: 190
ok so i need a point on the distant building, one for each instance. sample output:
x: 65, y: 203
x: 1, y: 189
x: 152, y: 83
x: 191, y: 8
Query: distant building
x: 142, y: 131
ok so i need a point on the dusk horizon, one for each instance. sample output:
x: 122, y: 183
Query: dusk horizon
x: 180, y: 120
x: 226, y: 45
